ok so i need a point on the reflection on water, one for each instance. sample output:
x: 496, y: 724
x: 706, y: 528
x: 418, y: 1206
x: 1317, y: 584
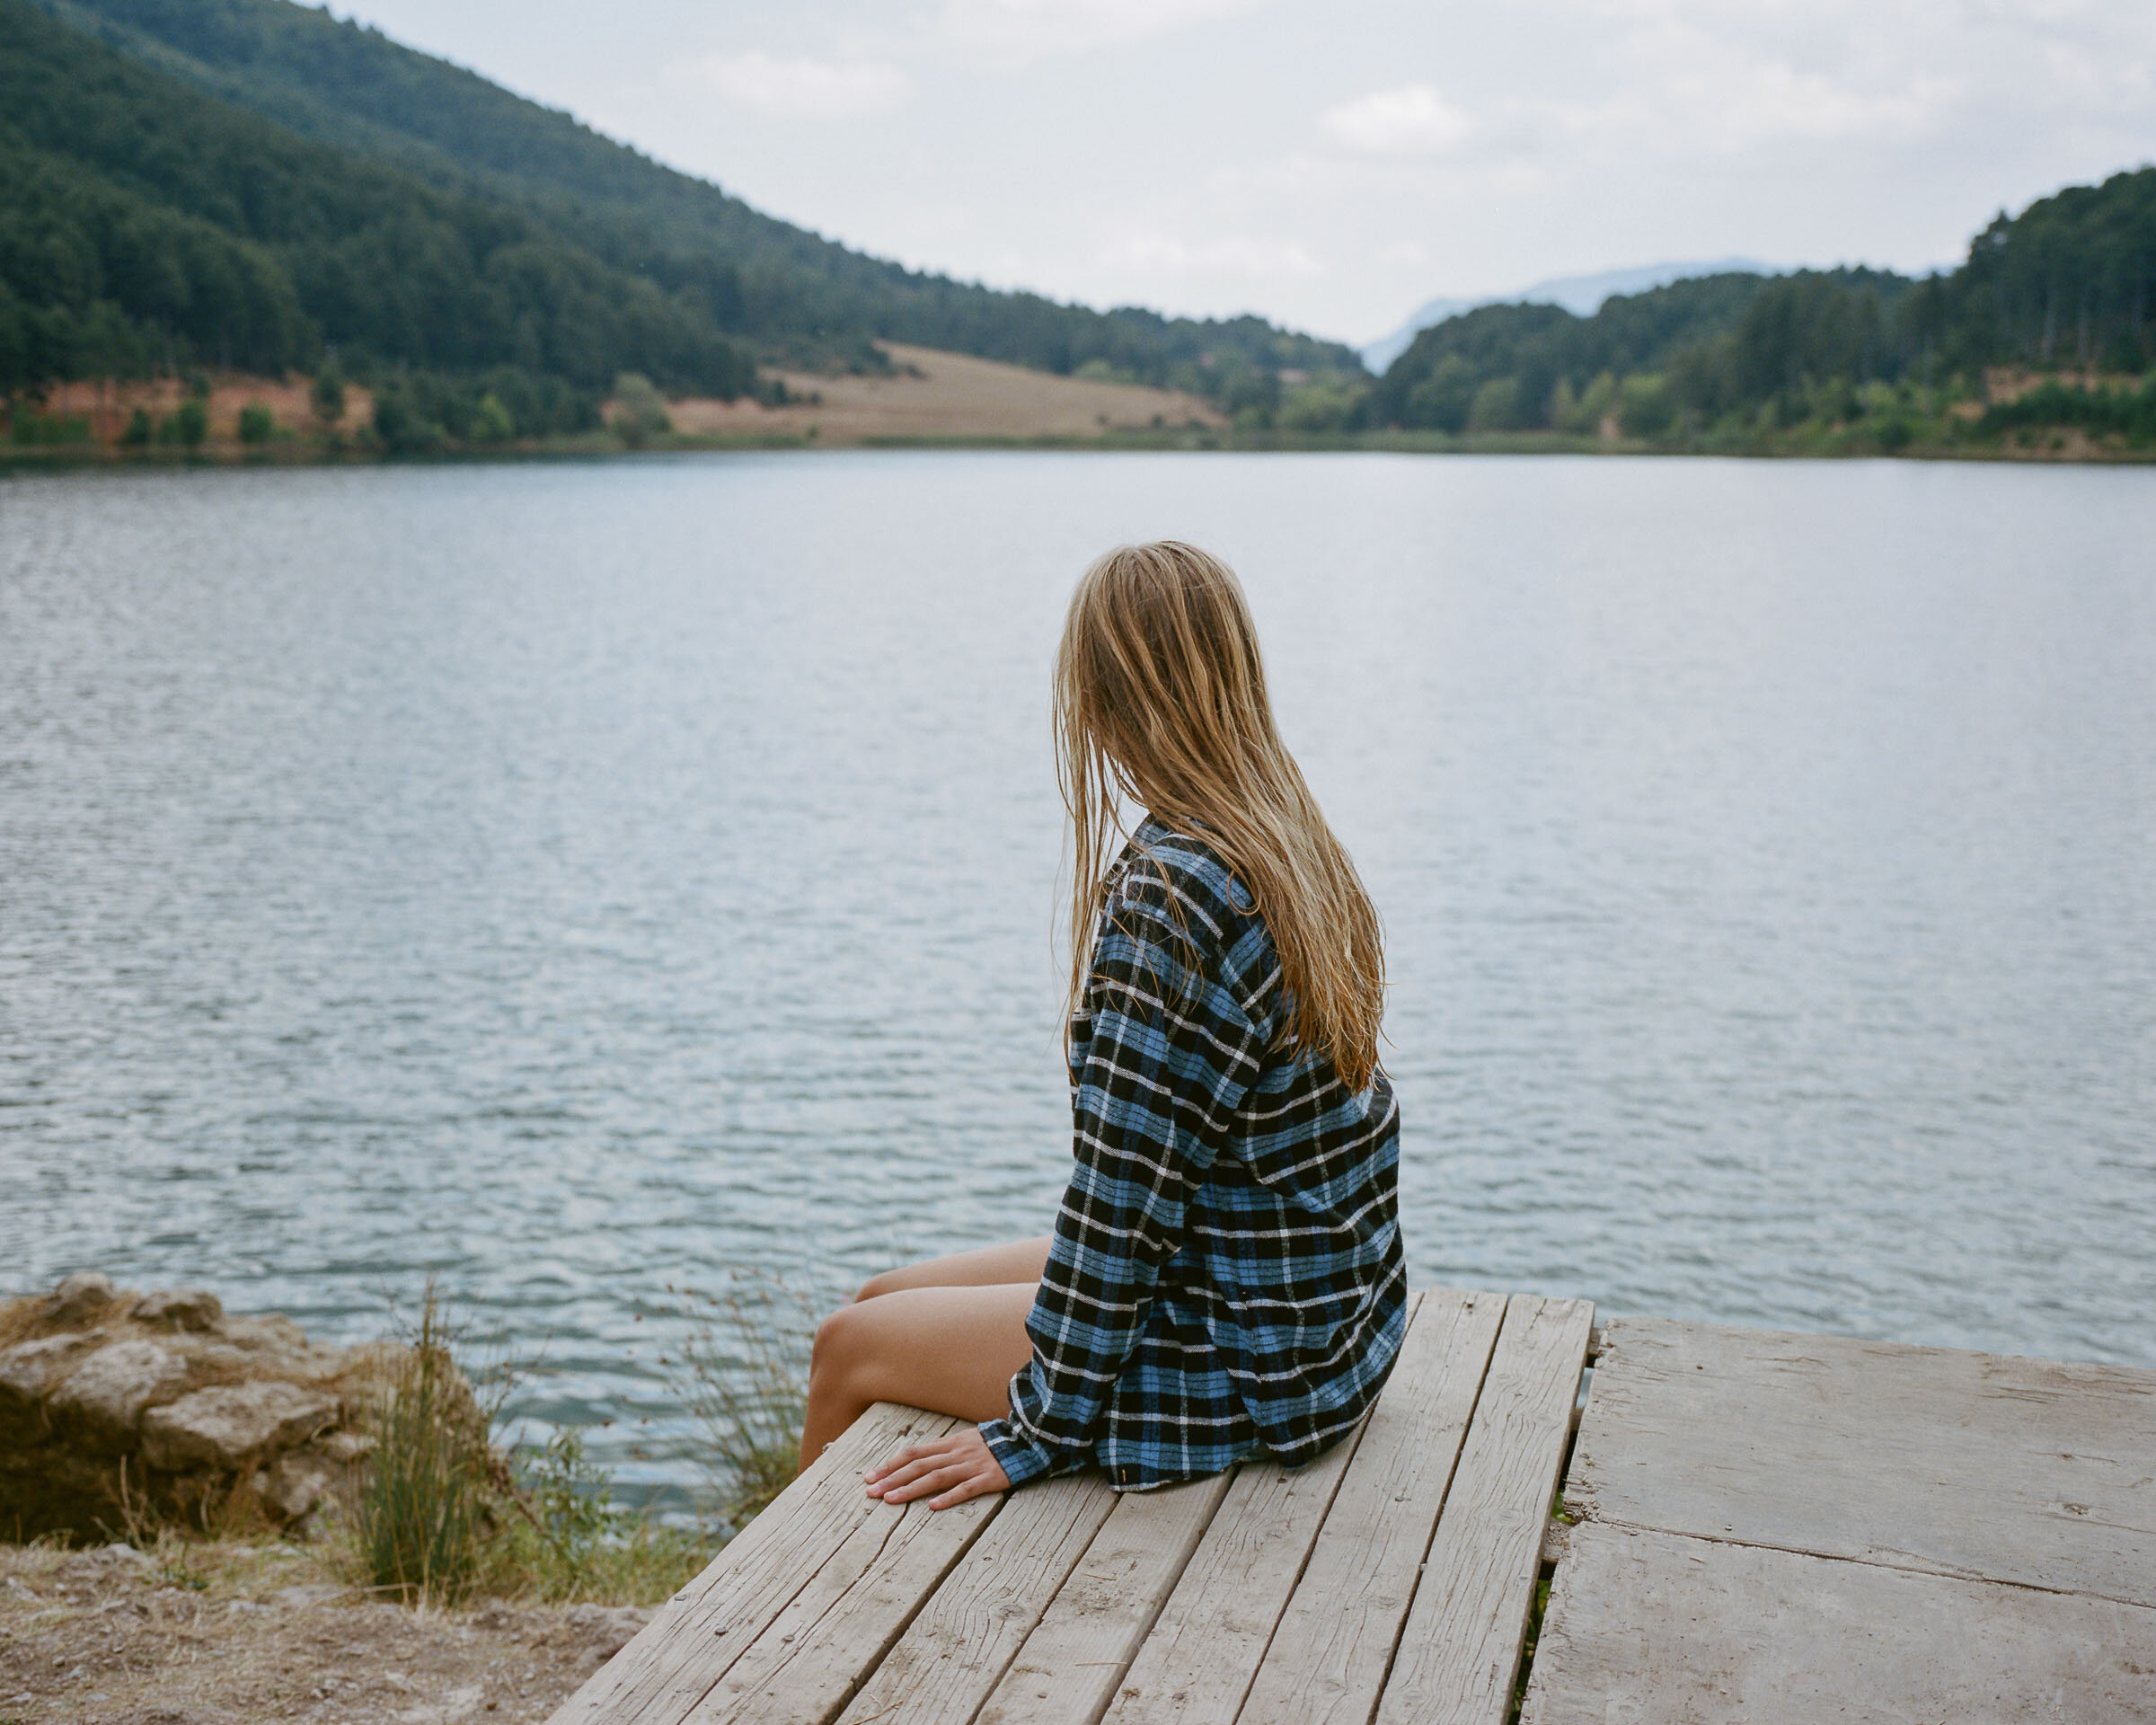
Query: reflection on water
x: 567, y: 880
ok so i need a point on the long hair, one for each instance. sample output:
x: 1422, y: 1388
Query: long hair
x: 1160, y: 698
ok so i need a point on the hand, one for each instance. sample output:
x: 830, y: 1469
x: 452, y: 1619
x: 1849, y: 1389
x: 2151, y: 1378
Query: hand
x: 956, y: 1467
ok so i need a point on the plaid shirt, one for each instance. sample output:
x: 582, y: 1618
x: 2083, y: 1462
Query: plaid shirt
x: 1227, y: 1276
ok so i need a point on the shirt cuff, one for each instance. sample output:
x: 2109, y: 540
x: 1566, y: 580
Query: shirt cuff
x: 1020, y: 1458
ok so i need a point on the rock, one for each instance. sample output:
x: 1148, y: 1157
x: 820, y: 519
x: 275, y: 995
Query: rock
x: 232, y: 1426
x: 30, y: 1371
x: 297, y: 1483
x: 103, y: 1398
x: 345, y: 1447
x: 273, y: 1330
x: 181, y: 1308
x: 80, y: 1297
x: 164, y: 1409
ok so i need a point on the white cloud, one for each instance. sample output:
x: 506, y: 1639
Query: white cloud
x: 812, y: 89
x: 1168, y: 257
x: 1411, y: 120
x: 1030, y: 27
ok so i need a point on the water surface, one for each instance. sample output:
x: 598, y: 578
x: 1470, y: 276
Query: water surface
x: 565, y: 880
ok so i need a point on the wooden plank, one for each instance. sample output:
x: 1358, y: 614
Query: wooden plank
x: 696, y: 1637
x: 951, y: 1659
x: 1199, y: 1659
x: 1965, y: 1463
x: 1461, y: 1649
x: 1068, y: 1671
x: 1651, y: 1627
x: 836, y: 1631
x: 1328, y: 1657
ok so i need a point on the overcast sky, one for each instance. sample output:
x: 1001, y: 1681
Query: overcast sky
x: 1335, y: 164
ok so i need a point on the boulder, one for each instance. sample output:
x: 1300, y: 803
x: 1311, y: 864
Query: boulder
x: 232, y: 1425
x: 166, y: 1411
x: 297, y: 1483
x: 80, y: 1297
x: 30, y: 1371
x: 104, y: 1399
x: 180, y: 1308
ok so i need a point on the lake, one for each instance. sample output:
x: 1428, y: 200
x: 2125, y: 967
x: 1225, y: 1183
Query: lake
x: 566, y: 880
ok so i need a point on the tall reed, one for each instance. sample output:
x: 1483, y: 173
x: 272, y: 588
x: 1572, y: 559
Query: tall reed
x: 743, y: 1376
x: 422, y: 1513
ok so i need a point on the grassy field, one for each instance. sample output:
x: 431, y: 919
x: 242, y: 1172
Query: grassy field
x: 933, y: 397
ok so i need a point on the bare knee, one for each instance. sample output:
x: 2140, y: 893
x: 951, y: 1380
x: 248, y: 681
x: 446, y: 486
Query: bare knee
x: 836, y: 1358
x: 886, y: 1281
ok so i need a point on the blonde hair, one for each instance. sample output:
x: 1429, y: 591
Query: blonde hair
x: 1160, y: 697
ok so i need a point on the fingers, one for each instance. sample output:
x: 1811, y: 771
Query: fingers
x: 956, y: 1467
x: 910, y: 1453
x: 974, y: 1486
x: 905, y: 1474
x: 940, y: 1479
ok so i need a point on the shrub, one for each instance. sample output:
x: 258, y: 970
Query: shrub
x: 1440, y: 402
x: 28, y: 426
x: 1321, y: 405
x: 569, y: 1540
x: 401, y: 422
x: 639, y: 412
x: 490, y: 420
x: 138, y: 431
x: 256, y: 423
x: 1644, y: 406
x: 1495, y: 406
x: 327, y: 396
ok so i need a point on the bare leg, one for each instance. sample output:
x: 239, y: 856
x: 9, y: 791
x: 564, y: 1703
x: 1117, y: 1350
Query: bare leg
x: 1020, y: 1261
x: 950, y: 1349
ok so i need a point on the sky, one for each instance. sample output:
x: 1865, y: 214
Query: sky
x: 1333, y: 165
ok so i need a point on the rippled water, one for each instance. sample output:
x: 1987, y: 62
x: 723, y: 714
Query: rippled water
x: 568, y: 880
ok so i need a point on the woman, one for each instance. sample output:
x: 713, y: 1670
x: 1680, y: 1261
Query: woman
x: 1225, y: 1276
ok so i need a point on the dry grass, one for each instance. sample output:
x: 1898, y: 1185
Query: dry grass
x: 248, y: 1634
x: 935, y: 394
x: 107, y: 404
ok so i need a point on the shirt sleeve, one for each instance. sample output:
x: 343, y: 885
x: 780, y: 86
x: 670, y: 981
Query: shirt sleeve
x: 1167, y: 1057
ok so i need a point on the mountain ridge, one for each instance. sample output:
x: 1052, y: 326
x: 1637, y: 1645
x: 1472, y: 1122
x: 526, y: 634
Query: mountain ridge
x: 794, y: 296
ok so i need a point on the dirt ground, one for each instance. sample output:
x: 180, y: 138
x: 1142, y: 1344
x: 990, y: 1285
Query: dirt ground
x: 289, y: 400
x: 937, y: 394
x: 260, y: 1635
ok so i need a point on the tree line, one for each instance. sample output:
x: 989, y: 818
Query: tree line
x: 2068, y: 284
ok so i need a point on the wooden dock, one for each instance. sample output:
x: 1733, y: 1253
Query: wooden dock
x: 1769, y: 1528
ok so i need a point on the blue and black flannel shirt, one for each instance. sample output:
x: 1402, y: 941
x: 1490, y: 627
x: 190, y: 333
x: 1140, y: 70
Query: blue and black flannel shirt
x: 1226, y: 1277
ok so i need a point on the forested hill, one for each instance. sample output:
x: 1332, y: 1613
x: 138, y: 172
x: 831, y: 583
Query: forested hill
x: 2070, y: 284
x: 523, y: 212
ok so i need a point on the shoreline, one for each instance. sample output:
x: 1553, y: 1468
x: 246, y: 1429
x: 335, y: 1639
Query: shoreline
x: 932, y: 399
x: 605, y: 445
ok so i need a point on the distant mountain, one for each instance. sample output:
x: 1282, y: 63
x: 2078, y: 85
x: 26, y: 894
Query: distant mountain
x: 1582, y: 295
